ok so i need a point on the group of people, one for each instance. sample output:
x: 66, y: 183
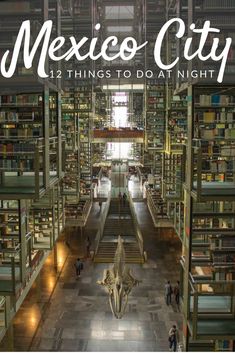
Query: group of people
x: 173, y: 333
x: 169, y: 291
x: 122, y: 198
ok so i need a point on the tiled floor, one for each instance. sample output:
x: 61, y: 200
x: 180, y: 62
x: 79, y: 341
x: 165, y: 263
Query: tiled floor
x: 77, y: 316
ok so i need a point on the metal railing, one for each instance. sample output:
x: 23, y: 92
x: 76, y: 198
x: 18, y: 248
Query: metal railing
x: 222, y: 290
x: 100, y: 231
x: 80, y: 217
x: 138, y: 232
x: 11, y: 260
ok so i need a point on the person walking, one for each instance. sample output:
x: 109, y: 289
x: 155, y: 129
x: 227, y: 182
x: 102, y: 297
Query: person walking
x: 173, y: 338
x: 100, y: 204
x: 177, y: 293
x: 78, y: 267
x: 120, y: 200
x: 88, y: 247
x: 124, y: 197
x: 168, y: 292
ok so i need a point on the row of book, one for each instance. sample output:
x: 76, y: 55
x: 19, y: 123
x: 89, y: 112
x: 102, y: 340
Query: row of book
x: 211, y: 177
x: 215, y: 149
x: 223, y: 258
x: 68, y: 106
x: 211, y: 134
x: 222, y: 243
x: 220, y: 166
x: 12, y: 164
x: 11, y: 116
x: 84, y: 106
x: 27, y: 99
x: 16, y: 147
x: 216, y: 117
x: 205, y: 99
x: 21, y: 133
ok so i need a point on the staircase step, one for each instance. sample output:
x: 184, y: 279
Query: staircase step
x: 118, y: 222
x: 109, y: 258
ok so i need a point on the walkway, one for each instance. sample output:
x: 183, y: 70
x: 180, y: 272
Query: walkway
x: 78, y: 317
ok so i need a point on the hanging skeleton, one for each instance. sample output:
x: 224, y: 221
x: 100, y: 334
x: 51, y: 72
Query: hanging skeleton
x: 118, y: 282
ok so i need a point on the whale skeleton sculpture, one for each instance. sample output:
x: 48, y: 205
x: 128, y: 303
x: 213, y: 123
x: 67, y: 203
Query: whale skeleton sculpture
x: 119, y: 282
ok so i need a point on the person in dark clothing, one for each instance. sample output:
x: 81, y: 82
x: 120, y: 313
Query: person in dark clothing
x: 100, y: 204
x: 177, y: 293
x: 88, y: 246
x: 168, y: 292
x: 120, y: 197
x: 124, y: 197
x: 78, y: 266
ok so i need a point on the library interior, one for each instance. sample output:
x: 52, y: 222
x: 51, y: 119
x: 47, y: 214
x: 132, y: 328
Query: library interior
x: 112, y: 168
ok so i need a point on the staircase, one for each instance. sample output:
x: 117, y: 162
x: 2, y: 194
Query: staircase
x: 118, y: 222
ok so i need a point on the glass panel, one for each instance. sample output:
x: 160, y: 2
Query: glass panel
x: 213, y: 304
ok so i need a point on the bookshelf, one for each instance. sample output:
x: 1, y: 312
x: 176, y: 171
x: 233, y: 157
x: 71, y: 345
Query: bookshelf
x: 176, y: 135
x: 46, y: 219
x: 204, y: 218
x: 155, y: 117
x: 76, y: 213
x: 84, y: 105
x: 70, y: 130
x: 30, y: 153
x: 137, y: 118
x: 156, y: 205
x: 9, y: 224
x: 101, y: 121
x: 16, y: 253
x: 214, y: 148
x: 173, y: 176
x: 21, y: 131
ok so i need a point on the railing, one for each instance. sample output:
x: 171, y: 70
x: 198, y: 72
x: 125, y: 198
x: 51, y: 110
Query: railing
x: 214, y: 165
x: 100, y: 231
x: 34, y: 150
x: 173, y: 192
x: 10, y: 261
x: 138, y: 232
x: 2, y: 313
x: 221, y: 306
x: 53, y: 155
x: 119, y: 133
x: 79, y: 216
x: 43, y: 241
x: 86, y: 212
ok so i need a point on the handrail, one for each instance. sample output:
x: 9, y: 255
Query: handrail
x: 102, y: 224
x: 137, y: 227
x: 195, y: 282
x: 87, y: 209
x: 14, y: 250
